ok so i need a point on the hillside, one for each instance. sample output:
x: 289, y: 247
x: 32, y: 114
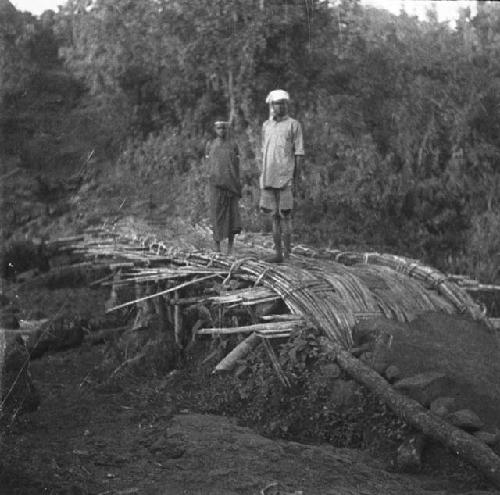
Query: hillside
x: 366, y: 364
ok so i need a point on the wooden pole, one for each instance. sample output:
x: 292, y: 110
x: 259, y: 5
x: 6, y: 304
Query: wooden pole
x: 278, y: 327
x: 185, y: 284
x: 239, y: 352
x: 177, y: 320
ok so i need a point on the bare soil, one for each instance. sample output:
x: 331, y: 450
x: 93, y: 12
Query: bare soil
x: 137, y: 438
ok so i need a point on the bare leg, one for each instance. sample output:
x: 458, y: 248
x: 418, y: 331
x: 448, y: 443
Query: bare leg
x: 278, y: 257
x: 286, y: 228
x: 230, y: 244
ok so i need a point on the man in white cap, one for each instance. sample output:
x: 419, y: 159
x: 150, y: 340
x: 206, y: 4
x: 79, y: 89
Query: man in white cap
x: 282, y: 154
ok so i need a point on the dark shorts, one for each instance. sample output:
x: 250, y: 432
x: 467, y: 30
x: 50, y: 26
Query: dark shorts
x: 276, y: 201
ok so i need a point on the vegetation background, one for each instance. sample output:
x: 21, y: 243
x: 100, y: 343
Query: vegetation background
x: 401, y: 117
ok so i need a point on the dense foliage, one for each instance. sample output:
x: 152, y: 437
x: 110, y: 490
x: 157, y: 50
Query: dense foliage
x: 401, y: 116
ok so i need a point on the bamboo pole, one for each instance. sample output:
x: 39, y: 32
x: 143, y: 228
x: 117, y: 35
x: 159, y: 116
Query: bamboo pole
x: 284, y: 335
x: 167, y: 291
x: 258, y: 327
x: 276, y: 364
x: 177, y: 320
x: 285, y: 317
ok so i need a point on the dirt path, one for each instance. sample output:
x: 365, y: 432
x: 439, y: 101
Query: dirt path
x: 100, y: 439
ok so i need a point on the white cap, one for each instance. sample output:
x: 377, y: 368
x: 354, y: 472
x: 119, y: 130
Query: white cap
x: 276, y: 95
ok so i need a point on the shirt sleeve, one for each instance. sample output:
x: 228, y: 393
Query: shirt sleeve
x: 298, y: 143
x: 262, y: 145
x: 236, y: 152
x: 262, y: 138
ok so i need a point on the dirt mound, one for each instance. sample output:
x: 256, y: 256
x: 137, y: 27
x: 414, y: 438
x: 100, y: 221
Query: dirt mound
x: 463, y: 350
x: 245, y: 462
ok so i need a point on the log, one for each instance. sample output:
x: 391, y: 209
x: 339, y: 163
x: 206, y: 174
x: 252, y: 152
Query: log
x: 454, y: 439
x: 239, y: 352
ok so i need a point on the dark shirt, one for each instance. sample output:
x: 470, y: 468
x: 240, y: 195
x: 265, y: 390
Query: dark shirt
x: 224, y: 167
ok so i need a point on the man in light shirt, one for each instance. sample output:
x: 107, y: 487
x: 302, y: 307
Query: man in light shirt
x: 282, y: 154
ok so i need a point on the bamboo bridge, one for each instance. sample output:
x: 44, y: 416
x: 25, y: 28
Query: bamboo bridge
x: 328, y: 290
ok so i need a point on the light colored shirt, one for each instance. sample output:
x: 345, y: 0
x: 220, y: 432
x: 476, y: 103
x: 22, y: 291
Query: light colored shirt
x: 281, y: 142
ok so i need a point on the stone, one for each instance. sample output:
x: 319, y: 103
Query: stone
x: 466, y: 419
x: 487, y: 437
x: 168, y: 448
x: 369, y: 329
x: 392, y: 373
x: 330, y: 370
x: 409, y: 454
x: 424, y: 387
x: 442, y: 406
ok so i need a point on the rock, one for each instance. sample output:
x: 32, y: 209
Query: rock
x: 368, y: 329
x: 330, y: 370
x: 17, y: 389
x: 442, y: 406
x: 409, y: 454
x: 392, y: 373
x: 168, y: 448
x: 424, y: 387
x: 466, y: 419
x: 487, y: 437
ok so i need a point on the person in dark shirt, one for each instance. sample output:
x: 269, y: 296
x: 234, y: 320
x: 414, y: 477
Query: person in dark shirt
x: 225, y: 187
